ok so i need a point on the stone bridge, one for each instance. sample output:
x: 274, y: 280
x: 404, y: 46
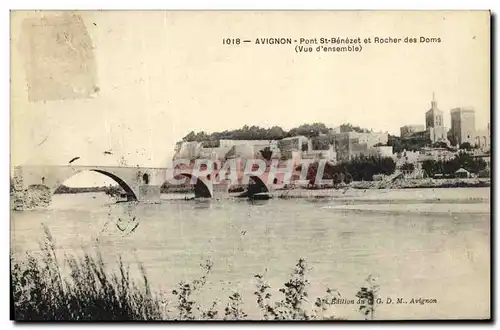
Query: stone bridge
x: 139, y: 183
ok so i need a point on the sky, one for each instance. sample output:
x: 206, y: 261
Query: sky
x: 159, y: 75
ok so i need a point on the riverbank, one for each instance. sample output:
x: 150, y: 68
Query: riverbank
x: 345, y: 191
x: 423, y: 183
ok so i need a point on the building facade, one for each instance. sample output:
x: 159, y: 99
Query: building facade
x: 463, y: 126
x: 482, y: 139
x: 349, y: 145
x: 292, y: 144
x: 409, y: 130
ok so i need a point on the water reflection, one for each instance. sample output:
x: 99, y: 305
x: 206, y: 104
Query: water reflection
x: 200, y: 204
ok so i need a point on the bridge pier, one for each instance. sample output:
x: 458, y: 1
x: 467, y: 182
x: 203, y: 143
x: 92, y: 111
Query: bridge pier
x: 220, y: 190
x: 18, y: 193
x: 149, y: 193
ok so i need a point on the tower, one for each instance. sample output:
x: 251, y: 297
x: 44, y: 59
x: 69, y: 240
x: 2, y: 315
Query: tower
x: 435, y: 130
x: 463, y: 125
x: 433, y: 117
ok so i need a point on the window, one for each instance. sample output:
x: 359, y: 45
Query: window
x: 145, y: 178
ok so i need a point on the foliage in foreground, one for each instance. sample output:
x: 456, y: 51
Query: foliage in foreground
x: 91, y: 292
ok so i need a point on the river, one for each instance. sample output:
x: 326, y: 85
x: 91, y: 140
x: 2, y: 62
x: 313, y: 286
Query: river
x: 418, y: 243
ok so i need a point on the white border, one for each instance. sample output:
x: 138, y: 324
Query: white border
x: 257, y: 4
x: 187, y: 5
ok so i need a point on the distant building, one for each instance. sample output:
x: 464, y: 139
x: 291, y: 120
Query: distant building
x: 187, y: 150
x: 246, y: 149
x: 434, y: 127
x: 257, y: 145
x: 463, y: 126
x: 407, y: 156
x: 462, y: 173
x: 292, y: 144
x: 345, y: 145
x: 482, y: 139
x: 381, y: 151
x: 349, y: 145
x: 409, y: 130
x: 373, y: 138
x: 442, y: 154
x: 370, y: 138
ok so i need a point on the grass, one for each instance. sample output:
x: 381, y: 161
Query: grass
x: 89, y: 292
x: 92, y: 292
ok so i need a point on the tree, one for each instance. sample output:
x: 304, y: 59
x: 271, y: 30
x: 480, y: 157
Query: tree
x: 275, y: 133
x: 310, y: 130
x: 395, y: 142
x: 466, y: 146
x: 410, y: 144
x: 266, y: 153
x: 407, y: 167
x: 479, y: 165
x: 471, y: 164
x: 210, y: 144
x: 190, y: 137
x: 462, y: 160
x: 364, y: 168
x: 484, y: 173
x: 320, y: 143
x: 440, y: 144
x: 430, y: 167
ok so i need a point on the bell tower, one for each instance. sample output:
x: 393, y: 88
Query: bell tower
x: 434, y: 122
x: 433, y: 117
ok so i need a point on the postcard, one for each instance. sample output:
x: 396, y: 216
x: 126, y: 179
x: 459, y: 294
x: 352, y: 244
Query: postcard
x: 250, y: 165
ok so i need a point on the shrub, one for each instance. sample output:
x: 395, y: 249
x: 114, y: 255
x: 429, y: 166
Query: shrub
x: 408, y: 167
x: 368, y: 296
x: 295, y: 298
x: 484, y: 173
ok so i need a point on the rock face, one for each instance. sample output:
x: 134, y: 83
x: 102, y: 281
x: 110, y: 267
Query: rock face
x: 36, y: 196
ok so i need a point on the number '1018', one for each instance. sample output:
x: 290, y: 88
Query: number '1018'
x: 231, y: 41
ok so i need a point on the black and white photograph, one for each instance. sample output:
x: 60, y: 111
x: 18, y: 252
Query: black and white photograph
x: 173, y: 165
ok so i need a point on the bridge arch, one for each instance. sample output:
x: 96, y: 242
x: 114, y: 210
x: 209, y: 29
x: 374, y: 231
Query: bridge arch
x: 130, y: 193
x: 258, y: 186
x: 201, y: 188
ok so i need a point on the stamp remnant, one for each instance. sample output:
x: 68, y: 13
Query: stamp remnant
x: 59, y: 59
